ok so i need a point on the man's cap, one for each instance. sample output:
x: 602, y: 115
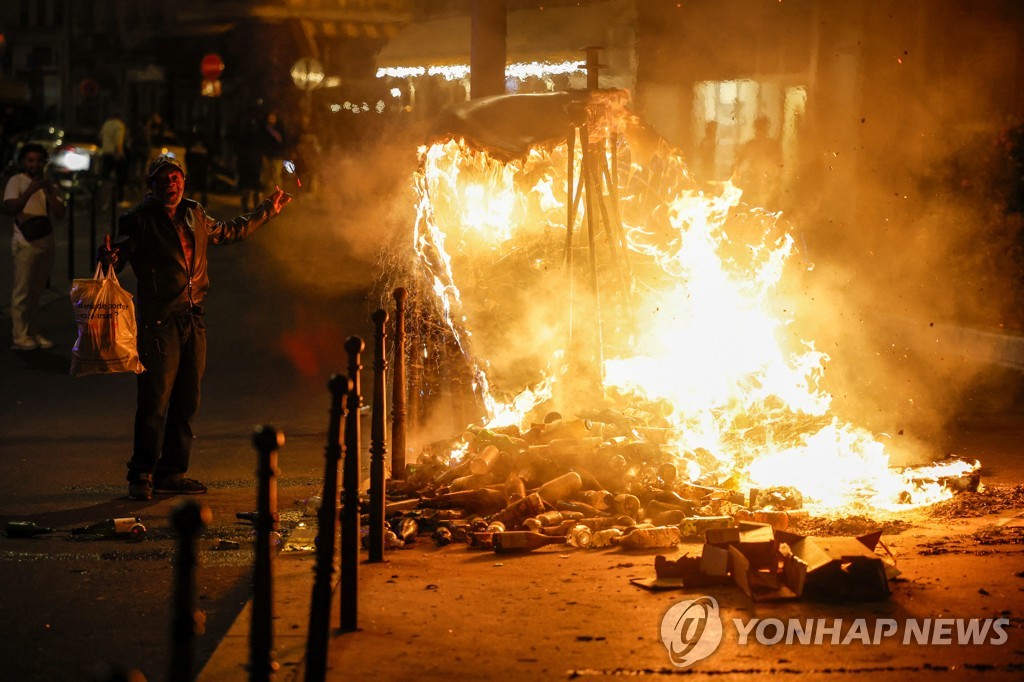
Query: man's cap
x: 164, y: 162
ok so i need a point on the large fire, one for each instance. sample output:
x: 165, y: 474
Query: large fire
x: 663, y: 303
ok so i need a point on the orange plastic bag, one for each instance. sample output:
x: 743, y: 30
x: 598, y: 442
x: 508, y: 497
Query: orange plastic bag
x: 105, y: 315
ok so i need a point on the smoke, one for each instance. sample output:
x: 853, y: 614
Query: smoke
x: 901, y: 211
x: 351, y: 203
x: 326, y: 244
x: 893, y: 119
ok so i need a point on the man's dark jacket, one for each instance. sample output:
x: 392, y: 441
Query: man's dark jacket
x: 167, y: 286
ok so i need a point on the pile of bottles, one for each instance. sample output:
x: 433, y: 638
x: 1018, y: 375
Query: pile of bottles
x: 583, y: 483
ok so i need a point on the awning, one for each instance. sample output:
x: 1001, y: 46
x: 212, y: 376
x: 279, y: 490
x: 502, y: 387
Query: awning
x: 507, y: 126
x: 549, y: 34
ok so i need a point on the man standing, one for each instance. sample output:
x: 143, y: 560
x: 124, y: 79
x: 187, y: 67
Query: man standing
x: 759, y: 167
x: 112, y: 135
x: 33, y: 201
x: 165, y: 239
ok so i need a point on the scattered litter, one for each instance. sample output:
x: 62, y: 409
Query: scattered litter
x: 988, y: 499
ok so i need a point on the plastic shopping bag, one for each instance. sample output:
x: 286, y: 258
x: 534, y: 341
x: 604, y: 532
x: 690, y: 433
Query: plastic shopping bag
x: 105, y: 315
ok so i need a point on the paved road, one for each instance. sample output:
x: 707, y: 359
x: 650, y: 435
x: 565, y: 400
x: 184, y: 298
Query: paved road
x: 280, y: 308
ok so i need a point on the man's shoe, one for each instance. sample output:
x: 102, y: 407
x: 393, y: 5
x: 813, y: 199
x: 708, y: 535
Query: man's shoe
x: 25, y: 344
x: 179, y: 485
x: 44, y: 342
x: 141, y: 488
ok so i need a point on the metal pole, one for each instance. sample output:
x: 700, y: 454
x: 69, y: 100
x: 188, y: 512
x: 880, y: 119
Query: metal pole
x: 570, y: 198
x: 488, y: 48
x: 188, y: 518
x: 415, y: 378
x: 262, y: 665
x: 92, y: 223
x: 597, y: 362
x: 71, y: 228
x: 378, y: 439
x: 114, y: 198
x: 398, y: 390
x: 593, y: 66
x: 350, y: 540
x: 327, y: 524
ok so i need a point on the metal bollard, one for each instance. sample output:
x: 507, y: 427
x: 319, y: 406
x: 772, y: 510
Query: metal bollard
x: 262, y: 666
x: 414, y: 377
x: 188, y: 518
x: 327, y: 524
x: 350, y: 540
x: 398, y: 390
x: 378, y: 440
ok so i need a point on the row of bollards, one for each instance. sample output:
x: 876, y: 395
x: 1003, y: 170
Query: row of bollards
x: 338, y: 503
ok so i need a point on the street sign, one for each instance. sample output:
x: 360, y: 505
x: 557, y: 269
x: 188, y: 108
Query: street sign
x: 211, y: 66
x: 89, y: 88
x: 307, y: 74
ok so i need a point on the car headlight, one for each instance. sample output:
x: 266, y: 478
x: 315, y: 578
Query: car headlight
x: 72, y: 159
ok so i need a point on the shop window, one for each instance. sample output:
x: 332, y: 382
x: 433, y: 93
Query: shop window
x: 732, y: 108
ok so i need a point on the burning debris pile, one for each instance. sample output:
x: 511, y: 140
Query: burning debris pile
x: 630, y: 342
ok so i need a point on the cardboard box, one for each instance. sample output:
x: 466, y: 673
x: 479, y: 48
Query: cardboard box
x: 714, y: 560
x: 781, y: 582
x: 843, y: 568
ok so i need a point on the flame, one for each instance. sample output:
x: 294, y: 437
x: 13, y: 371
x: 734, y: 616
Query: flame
x: 684, y: 303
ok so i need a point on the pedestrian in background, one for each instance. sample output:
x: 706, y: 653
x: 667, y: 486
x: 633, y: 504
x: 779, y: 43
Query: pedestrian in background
x: 112, y: 144
x: 165, y: 238
x: 33, y: 201
x: 707, y: 152
x: 199, y: 163
x: 249, y: 162
x: 275, y: 146
x: 759, y: 166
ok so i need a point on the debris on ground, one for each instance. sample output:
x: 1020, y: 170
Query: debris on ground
x: 849, y: 525
x: 988, y: 499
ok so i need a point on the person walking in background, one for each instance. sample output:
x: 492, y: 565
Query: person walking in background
x: 112, y: 145
x: 138, y: 153
x: 707, y: 152
x: 156, y: 130
x: 249, y: 162
x: 165, y: 238
x: 33, y: 201
x: 274, y: 148
x: 198, y: 162
x: 759, y: 166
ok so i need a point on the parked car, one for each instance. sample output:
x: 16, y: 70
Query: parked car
x: 77, y: 164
